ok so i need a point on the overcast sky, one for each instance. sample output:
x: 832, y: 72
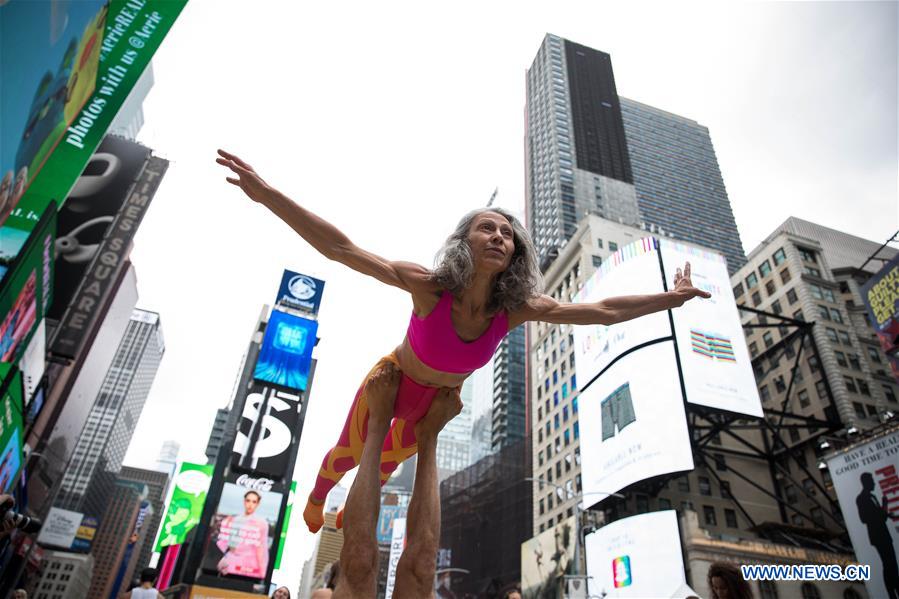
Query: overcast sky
x: 392, y: 120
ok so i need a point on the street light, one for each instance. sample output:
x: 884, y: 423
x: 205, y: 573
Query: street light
x: 577, y: 515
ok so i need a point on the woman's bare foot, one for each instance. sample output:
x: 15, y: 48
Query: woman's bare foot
x: 314, y: 514
x: 446, y: 405
x: 380, y: 393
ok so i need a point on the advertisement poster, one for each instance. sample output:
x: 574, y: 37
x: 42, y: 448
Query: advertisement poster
x: 633, y: 427
x: 881, y: 297
x: 11, y: 431
x: 866, y: 480
x: 54, y: 57
x: 186, y: 505
x: 387, y: 516
x: 60, y: 528
x: 714, y: 356
x: 632, y: 270
x: 286, y: 353
x: 291, y: 496
x: 243, y: 531
x: 115, y: 41
x: 546, y: 559
x: 300, y: 292
x: 270, y: 419
x: 639, y: 556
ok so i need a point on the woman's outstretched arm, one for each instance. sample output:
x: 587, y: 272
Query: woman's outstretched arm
x: 330, y: 241
x: 611, y: 310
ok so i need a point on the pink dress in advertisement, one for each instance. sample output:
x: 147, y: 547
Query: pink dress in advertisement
x: 244, y: 541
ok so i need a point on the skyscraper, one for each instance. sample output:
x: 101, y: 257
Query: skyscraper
x: 157, y: 484
x: 90, y: 479
x: 454, y: 441
x: 590, y: 151
x: 508, y: 424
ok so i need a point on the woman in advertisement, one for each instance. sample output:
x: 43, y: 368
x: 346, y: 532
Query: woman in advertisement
x: 244, y: 541
x: 486, y: 282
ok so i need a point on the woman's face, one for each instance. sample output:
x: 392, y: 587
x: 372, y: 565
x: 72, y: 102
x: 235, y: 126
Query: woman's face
x: 19, y: 188
x: 281, y: 593
x: 492, y: 241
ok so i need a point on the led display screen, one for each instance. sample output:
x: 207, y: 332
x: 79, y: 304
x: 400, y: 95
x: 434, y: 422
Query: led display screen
x: 286, y: 353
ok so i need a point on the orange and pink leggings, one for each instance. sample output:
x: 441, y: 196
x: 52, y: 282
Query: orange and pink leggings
x: 412, y: 403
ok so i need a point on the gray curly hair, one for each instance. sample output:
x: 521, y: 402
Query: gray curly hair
x: 521, y: 281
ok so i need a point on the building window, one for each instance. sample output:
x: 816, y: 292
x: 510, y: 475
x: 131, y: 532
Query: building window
x: 791, y: 296
x: 725, y: 489
x: 764, y: 269
x: 779, y: 257
x: 841, y: 358
x: 844, y: 338
x: 664, y: 504
x: 807, y: 255
x: 756, y: 298
x: 768, y: 339
x: 859, y: 409
x: 889, y: 393
x: 850, y: 384
x: 863, y: 387
x: 577, y: 430
x: 768, y: 589
x: 597, y: 261
x: 785, y: 276
x: 751, y: 280
x: 720, y: 463
x: 832, y: 334
x: 854, y: 362
x: 753, y: 349
x: 811, y: 270
x: 810, y: 591
x: 803, y: 398
x: 738, y: 290
x: 874, y: 355
x: 709, y: 514
x: 683, y: 484
x: 764, y: 393
x: 730, y: 518
x: 775, y: 307
x: 769, y: 288
x: 705, y: 486
x: 836, y: 315
x: 542, y: 509
x: 613, y: 247
x: 599, y: 243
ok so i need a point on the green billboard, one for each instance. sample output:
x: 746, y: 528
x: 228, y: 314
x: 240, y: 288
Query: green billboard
x: 287, y: 512
x: 10, y: 430
x: 134, y: 29
x: 186, y: 505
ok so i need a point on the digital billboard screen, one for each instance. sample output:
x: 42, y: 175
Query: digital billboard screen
x: 546, y: 559
x: 632, y: 270
x: 640, y: 556
x: 51, y: 56
x: 300, y: 291
x: 243, y: 530
x: 186, y: 504
x: 286, y: 353
x: 866, y: 480
x: 632, y: 422
x: 881, y: 296
x: 270, y: 424
x: 11, y: 430
x: 714, y: 357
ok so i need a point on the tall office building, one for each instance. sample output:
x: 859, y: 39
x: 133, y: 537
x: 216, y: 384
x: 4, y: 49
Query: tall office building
x: 64, y: 575
x: 90, y: 479
x: 508, y: 418
x: 168, y: 457
x: 590, y: 151
x: 675, y: 173
x: 217, y: 434
x: 157, y: 484
x: 454, y: 441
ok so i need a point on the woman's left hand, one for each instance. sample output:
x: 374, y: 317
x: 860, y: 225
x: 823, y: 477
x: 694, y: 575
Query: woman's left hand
x: 683, y: 286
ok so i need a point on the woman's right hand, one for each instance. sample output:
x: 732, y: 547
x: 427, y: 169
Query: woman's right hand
x: 247, y: 179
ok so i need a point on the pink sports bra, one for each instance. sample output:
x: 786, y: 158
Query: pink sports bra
x: 436, y: 343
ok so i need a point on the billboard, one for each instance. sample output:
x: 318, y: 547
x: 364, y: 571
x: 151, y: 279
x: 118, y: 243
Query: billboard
x: 546, y: 559
x: 90, y: 208
x: 51, y: 56
x: 11, y: 431
x: 881, y: 296
x: 84, y: 538
x: 632, y: 270
x: 387, y: 516
x: 60, y: 528
x: 26, y: 289
x: 866, y: 480
x: 270, y: 419
x: 132, y: 33
x: 291, y: 496
x: 186, y: 504
x: 243, y: 528
x: 106, y: 262
x: 633, y: 426
x: 286, y: 353
x: 714, y: 356
x: 300, y: 292
x: 34, y: 361
x: 640, y: 556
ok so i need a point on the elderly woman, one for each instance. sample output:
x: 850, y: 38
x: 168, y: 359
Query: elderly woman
x: 486, y: 283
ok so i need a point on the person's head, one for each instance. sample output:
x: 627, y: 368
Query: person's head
x: 512, y: 593
x: 148, y: 575
x: 867, y: 481
x: 492, y: 241
x: 251, y: 501
x: 5, y: 188
x: 281, y: 593
x: 726, y: 582
x: 19, y: 594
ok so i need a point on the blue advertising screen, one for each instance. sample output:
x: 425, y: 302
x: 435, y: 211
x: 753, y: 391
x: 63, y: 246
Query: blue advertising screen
x: 286, y: 353
x: 300, y: 291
